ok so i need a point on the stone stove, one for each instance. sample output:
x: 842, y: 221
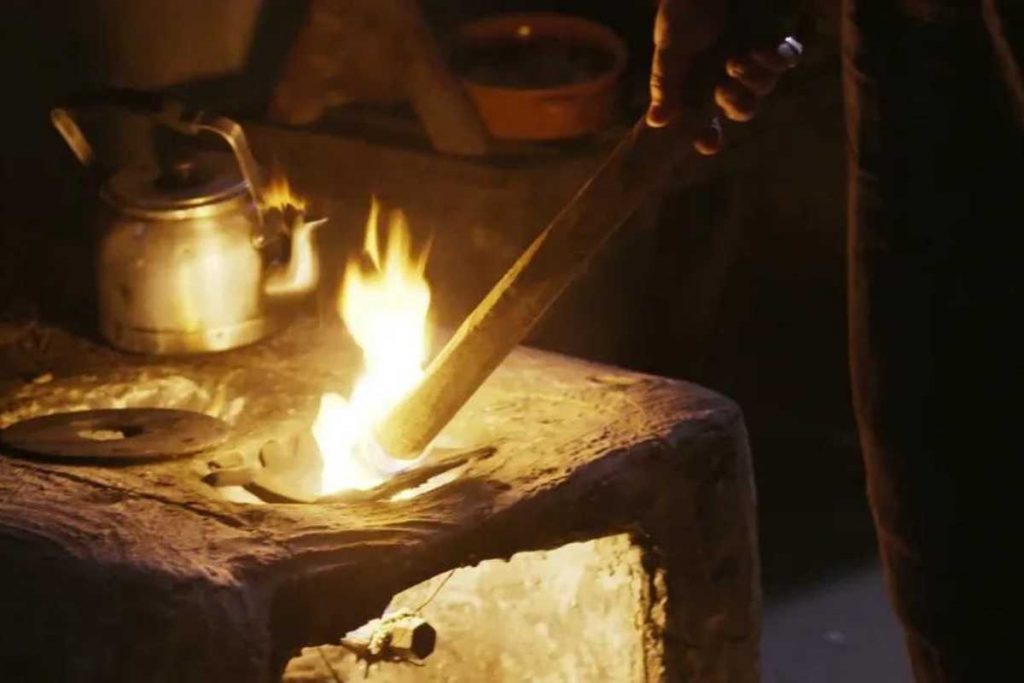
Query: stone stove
x: 624, y: 501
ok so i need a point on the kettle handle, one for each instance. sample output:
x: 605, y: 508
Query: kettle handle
x: 124, y: 98
x: 72, y: 134
x: 229, y: 131
x: 166, y: 112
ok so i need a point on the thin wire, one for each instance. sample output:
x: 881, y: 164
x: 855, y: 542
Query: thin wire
x: 436, y: 591
x: 327, y: 663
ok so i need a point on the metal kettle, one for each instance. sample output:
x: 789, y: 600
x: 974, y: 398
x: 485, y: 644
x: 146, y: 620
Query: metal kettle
x: 190, y: 256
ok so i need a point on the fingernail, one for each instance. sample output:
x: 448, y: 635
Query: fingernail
x: 655, y: 116
x: 705, y: 148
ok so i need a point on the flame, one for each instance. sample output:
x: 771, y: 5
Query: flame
x: 277, y: 194
x: 384, y: 303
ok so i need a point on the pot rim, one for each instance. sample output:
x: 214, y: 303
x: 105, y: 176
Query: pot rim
x: 583, y: 31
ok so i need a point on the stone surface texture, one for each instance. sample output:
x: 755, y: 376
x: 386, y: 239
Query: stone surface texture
x: 575, y: 613
x: 147, y: 573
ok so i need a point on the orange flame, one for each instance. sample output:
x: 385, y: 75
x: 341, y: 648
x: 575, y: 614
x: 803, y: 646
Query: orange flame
x: 277, y: 193
x: 385, y: 307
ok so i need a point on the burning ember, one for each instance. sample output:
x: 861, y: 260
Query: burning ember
x: 384, y: 301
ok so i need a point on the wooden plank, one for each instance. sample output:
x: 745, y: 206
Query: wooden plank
x: 376, y: 50
x: 634, y: 170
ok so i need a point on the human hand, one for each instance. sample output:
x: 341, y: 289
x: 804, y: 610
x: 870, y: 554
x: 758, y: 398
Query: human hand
x: 683, y: 30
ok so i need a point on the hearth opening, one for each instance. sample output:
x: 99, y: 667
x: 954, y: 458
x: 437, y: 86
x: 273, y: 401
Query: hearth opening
x: 580, y: 612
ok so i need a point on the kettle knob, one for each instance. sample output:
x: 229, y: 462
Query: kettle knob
x: 182, y: 174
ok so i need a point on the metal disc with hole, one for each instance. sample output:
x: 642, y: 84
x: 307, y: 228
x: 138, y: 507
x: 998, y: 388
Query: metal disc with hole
x: 117, y: 434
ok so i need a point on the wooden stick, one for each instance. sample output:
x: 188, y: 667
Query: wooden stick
x: 637, y: 166
x: 335, y: 55
x: 449, y: 117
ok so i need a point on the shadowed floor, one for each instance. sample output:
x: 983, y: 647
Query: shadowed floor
x: 838, y: 631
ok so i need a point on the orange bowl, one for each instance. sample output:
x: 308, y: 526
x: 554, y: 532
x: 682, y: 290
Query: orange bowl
x: 541, y: 76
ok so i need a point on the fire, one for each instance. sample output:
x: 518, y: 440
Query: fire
x: 277, y: 194
x: 384, y: 303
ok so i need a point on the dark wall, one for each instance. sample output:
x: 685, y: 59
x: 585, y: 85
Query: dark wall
x: 41, y: 237
x: 751, y: 267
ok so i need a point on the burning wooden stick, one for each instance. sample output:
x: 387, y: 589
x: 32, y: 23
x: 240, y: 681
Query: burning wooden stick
x: 641, y: 162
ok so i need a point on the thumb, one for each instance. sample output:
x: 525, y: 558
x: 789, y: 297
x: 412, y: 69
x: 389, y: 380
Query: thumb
x: 682, y: 30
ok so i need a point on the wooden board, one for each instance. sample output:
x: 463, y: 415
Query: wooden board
x: 142, y: 573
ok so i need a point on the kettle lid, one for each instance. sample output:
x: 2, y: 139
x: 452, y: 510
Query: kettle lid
x: 201, y: 181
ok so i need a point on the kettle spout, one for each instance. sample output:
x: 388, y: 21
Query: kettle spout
x: 302, y: 272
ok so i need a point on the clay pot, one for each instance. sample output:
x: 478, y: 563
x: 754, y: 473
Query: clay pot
x: 541, y: 76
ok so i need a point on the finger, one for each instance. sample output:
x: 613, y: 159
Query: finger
x: 670, y: 59
x: 682, y: 30
x: 666, y: 90
x: 770, y: 59
x: 755, y: 76
x: 781, y: 58
x: 709, y: 141
x: 736, y: 101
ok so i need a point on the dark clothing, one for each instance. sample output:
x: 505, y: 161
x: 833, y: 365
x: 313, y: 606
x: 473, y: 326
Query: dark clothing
x: 936, y: 133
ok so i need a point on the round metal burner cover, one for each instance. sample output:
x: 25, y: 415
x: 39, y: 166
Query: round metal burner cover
x: 119, y: 434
